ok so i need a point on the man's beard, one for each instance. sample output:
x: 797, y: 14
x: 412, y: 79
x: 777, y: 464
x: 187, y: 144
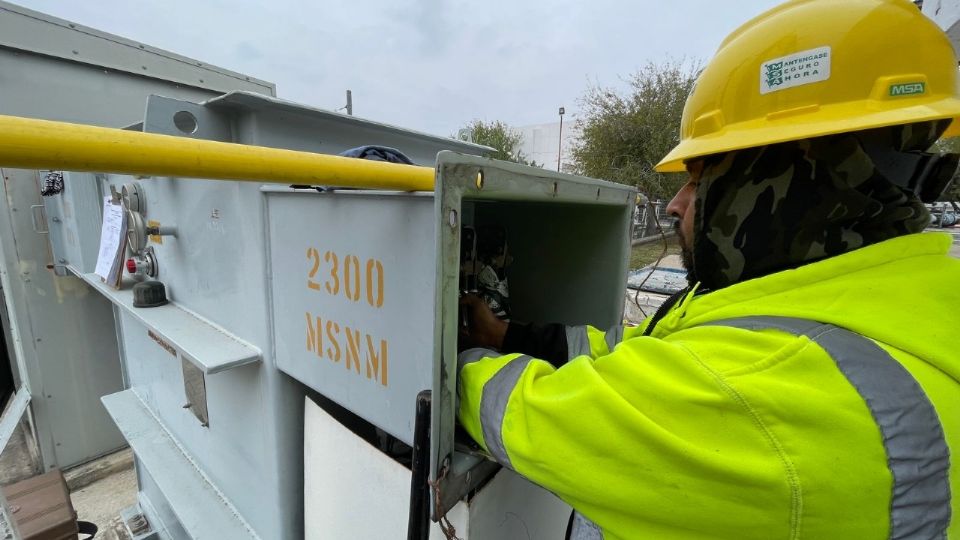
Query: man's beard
x: 686, y: 255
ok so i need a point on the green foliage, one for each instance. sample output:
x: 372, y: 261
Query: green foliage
x: 951, y: 145
x: 497, y: 135
x: 623, y: 135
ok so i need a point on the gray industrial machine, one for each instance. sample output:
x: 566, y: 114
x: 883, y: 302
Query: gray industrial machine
x: 352, y: 293
x: 279, y: 299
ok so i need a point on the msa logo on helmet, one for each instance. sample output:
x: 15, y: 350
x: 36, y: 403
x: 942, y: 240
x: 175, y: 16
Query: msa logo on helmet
x: 907, y: 89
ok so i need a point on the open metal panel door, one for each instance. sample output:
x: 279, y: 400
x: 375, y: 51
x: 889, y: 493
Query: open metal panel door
x: 569, y: 241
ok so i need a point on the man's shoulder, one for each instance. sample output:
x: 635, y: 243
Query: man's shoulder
x: 726, y: 349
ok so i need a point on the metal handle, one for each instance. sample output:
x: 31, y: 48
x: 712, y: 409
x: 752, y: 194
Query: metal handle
x: 33, y: 218
x: 418, y: 518
x: 163, y: 230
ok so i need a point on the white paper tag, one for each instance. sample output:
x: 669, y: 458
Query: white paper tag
x: 112, y: 242
x: 797, y: 69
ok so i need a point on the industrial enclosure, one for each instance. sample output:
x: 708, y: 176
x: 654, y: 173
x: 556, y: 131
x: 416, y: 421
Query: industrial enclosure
x: 277, y: 299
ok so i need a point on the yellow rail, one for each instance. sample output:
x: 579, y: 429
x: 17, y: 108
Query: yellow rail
x: 42, y: 144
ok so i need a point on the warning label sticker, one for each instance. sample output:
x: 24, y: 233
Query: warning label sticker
x: 797, y: 69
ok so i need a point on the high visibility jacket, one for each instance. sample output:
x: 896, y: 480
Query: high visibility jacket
x: 758, y: 411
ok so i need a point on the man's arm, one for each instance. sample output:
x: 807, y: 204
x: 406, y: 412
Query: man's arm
x: 554, y: 343
x: 645, y: 435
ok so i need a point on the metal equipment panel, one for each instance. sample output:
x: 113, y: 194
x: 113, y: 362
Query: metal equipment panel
x: 74, y: 221
x: 269, y: 121
x: 182, y: 333
x: 197, y: 503
x: 216, y: 263
x: 352, y: 285
x: 244, y: 432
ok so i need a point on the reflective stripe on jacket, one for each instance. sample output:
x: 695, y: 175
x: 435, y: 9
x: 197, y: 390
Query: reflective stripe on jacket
x: 717, y: 426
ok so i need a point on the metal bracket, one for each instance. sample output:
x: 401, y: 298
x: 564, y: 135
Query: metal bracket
x: 36, y: 222
x: 52, y: 212
x: 137, y: 525
x: 181, y: 118
x: 195, y: 387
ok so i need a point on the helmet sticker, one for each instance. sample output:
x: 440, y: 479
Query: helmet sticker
x: 797, y: 69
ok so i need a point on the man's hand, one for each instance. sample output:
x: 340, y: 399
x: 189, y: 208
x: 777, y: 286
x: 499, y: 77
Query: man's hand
x: 483, y: 328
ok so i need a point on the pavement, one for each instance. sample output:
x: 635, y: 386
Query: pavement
x: 955, y: 232
x: 18, y: 461
x: 639, y: 305
x: 955, y: 249
x: 99, y: 489
x: 101, y: 501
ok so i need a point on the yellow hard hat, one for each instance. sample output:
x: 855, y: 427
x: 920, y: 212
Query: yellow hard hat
x: 809, y: 68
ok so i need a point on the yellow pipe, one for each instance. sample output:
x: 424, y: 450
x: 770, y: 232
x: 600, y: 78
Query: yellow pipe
x: 41, y: 144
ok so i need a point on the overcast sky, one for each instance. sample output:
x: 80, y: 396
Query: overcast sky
x: 430, y: 65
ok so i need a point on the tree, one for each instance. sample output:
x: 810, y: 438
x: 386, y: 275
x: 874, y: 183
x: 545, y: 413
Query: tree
x: 497, y: 135
x: 623, y: 135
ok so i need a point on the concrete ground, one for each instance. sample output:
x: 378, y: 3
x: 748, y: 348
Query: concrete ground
x: 19, y: 460
x: 100, y: 502
x: 955, y: 232
x: 955, y: 249
x: 99, y: 489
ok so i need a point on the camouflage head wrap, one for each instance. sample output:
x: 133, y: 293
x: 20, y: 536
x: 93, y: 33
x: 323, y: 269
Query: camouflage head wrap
x: 766, y: 209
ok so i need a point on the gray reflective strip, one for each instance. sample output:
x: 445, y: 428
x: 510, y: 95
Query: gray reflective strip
x: 476, y: 354
x: 613, y: 336
x: 578, y: 344
x: 493, y: 405
x: 584, y: 529
x: 917, y: 452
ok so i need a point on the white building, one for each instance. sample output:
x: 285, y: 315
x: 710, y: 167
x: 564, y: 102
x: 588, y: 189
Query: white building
x: 542, y: 141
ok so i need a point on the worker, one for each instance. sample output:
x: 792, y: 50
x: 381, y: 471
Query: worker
x: 807, y: 385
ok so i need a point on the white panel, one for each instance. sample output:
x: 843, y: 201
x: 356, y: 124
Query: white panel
x: 512, y: 507
x: 351, y: 489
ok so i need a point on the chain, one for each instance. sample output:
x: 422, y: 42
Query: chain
x: 449, y: 531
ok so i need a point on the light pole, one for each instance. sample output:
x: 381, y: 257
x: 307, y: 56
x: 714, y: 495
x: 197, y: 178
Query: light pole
x: 560, y: 140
